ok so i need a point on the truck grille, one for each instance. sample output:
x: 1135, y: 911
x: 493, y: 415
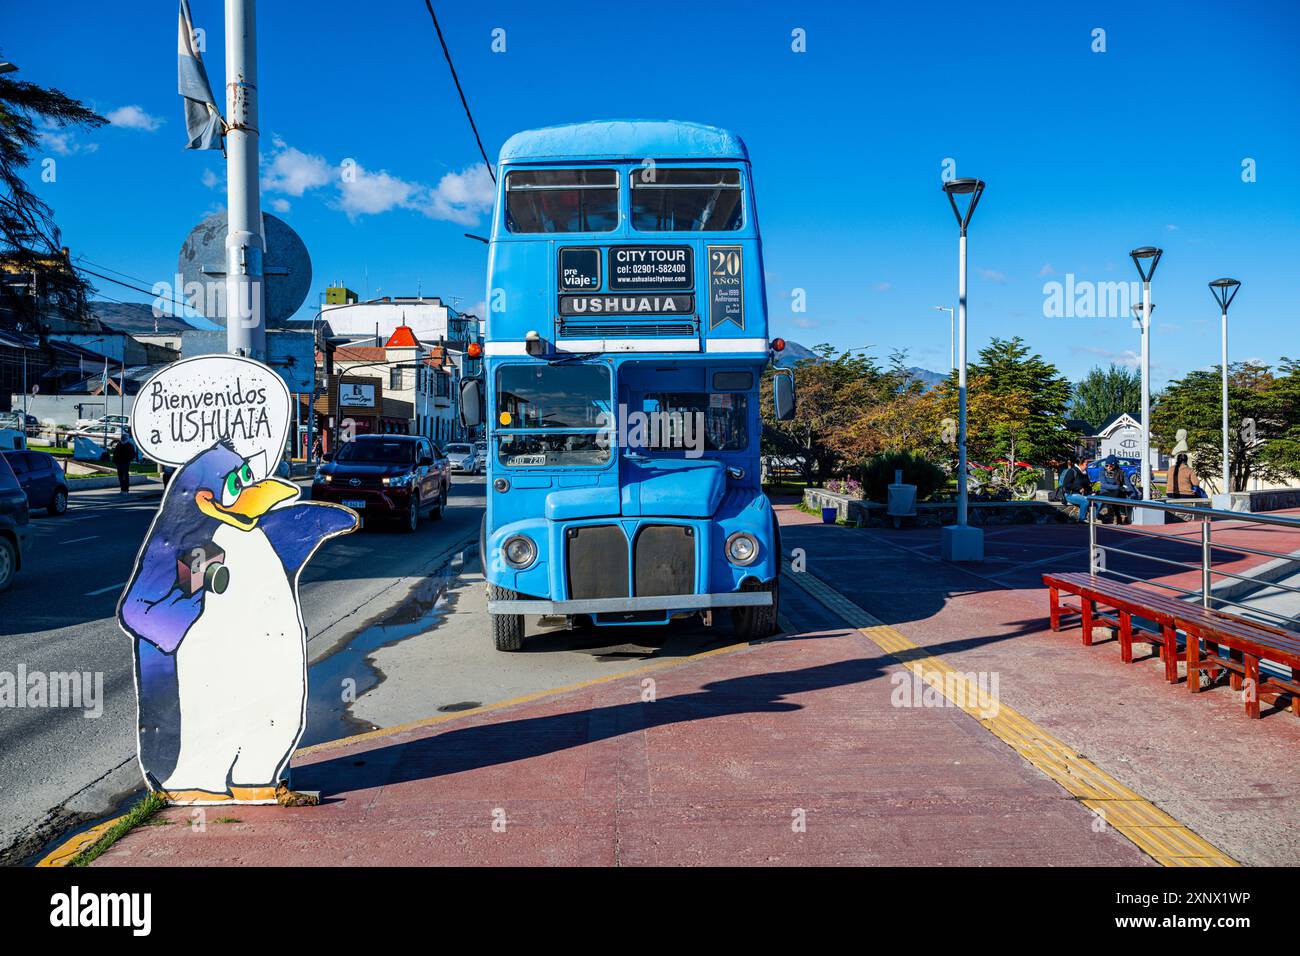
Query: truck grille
x: 596, y: 562
x: 665, y: 560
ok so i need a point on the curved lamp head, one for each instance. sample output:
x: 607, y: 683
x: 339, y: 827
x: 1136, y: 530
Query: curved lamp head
x: 1224, y: 291
x: 1148, y: 256
x: 964, y: 187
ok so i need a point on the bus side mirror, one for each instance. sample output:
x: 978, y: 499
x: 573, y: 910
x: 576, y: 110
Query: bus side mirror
x: 471, y: 403
x: 783, y: 396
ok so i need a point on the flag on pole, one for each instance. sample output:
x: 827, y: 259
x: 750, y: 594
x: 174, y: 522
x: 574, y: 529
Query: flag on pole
x: 203, y: 120
x: 103, y: 381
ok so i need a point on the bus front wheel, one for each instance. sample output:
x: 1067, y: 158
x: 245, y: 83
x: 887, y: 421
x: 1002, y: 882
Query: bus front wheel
x: 507, y: 629
x: 752, y: 623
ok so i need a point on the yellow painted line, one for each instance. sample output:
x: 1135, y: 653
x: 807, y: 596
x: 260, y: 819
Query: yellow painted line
x: 1153, y: 831
x: 67, y: 851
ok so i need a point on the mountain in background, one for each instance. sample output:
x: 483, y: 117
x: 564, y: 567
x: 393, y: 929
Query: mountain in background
x: 926, y: 377
x: 135, y: 318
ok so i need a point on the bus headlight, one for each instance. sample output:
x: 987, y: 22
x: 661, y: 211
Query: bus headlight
x: 519, y: 551
x: 742, y: 549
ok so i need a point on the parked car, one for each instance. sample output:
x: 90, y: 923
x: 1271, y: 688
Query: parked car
x: 480, y: 456
x: 107, y: 430
x: 28, y: 424
x: 386, y: 478
x: 42, y: 479
x: 15, y: 528
x: 462, y: 459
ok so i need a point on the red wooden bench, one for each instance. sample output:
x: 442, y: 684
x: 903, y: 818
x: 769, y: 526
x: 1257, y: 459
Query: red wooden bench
x: 1246, y: 641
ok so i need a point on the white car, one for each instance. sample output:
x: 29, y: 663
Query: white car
x: 461, y: 457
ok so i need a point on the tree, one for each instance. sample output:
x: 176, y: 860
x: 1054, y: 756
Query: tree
x: 1263, y: 422
x: 832, y: 391
x: 1006, y: 370
x: 29, y: 240
x: 1106, y: 392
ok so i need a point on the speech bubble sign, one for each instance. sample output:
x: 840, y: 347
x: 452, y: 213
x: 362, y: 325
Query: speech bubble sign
x: 192, y: 404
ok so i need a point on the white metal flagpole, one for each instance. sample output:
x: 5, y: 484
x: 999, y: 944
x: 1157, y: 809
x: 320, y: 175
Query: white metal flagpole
x: 245, y: 245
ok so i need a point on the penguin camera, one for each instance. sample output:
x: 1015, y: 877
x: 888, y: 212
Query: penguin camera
x: 202, y: 567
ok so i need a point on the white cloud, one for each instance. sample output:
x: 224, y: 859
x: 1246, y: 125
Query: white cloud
x: 992, y: 275
x: 133, y: 117
x: 1127, y: 357
x: 280, y: 205
x: 294, y: 172
x: 210, y: 179
x: 62, y: 142
x: 368, y: 193
x: 462, y: 197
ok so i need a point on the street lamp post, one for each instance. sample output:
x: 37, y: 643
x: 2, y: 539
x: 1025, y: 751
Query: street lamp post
x: 1146, y: 258
x: 1224, y: 291
x: 961, y: 542
x: 952, y: 333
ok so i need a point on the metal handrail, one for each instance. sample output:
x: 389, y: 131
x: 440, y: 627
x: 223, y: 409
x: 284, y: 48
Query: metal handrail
x: 1096, y: 551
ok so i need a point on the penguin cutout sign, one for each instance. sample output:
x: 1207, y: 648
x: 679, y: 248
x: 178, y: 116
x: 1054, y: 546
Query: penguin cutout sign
x: 212, y: 605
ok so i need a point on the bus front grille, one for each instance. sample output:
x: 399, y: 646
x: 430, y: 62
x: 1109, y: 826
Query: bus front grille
x: 665, y: 560
x: 596, y: 562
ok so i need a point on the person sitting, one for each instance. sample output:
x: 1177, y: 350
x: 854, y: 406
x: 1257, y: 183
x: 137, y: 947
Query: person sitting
x: 1075, y: 485
x: 1182, y: 482
x: 1116, y: 483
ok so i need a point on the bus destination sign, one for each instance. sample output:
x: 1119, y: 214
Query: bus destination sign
x: 651, y: 268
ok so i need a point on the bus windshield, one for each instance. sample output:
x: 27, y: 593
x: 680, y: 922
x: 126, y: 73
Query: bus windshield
x: 686, y: 200
x: 562, y: 200
x: 708, y: 421
x: 571, y: 402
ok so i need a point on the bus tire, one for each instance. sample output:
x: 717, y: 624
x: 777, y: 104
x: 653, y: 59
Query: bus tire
x: 754, y: 623
x: 507, y: 629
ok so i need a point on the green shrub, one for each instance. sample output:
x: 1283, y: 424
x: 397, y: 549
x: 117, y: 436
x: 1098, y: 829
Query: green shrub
x: 878, y: 475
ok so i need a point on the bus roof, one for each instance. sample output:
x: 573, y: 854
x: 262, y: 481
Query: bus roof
x: 623, y: 140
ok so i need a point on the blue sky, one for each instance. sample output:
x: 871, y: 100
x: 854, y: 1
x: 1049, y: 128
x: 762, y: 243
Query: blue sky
x: 1087, y: 154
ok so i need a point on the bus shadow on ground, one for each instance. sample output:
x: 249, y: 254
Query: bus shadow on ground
x: 500, y: 742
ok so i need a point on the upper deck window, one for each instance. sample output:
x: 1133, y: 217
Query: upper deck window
x: 562, y: 200
x: 686, y: 200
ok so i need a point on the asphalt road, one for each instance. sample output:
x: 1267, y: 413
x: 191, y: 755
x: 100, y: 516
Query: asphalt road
x: 57, y: 766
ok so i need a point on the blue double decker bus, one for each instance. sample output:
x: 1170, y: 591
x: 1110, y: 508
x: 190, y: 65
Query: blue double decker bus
x: 626, y: 338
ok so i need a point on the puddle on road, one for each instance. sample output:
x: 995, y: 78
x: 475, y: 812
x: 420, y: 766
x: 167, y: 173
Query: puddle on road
x: 342, y: 676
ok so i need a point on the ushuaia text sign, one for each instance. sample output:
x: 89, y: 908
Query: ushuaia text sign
x: 680, y: 304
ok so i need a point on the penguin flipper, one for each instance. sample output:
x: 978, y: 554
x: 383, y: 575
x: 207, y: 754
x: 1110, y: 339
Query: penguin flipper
x: 297, y: 530
x: 153, y: 608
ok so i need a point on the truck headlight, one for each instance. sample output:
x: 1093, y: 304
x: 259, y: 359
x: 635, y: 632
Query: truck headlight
x: 398, y: 481
x: 742, y: 549
x: 519, y: 551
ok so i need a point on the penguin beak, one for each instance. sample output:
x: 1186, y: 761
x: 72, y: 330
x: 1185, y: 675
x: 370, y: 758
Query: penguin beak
x: 253, y: 502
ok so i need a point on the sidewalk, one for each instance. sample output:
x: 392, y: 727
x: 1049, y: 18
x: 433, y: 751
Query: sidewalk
x: 794, y: 751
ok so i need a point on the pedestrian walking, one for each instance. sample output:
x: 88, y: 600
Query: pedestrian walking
x: 123, y: 455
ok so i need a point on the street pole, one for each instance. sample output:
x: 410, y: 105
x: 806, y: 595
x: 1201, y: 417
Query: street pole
x: 245, y: 244
x: 952, y: 335
x: 960, y: 542
x: 1224, y: 291
x: 963, y: 498
x: 1150, y: 255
